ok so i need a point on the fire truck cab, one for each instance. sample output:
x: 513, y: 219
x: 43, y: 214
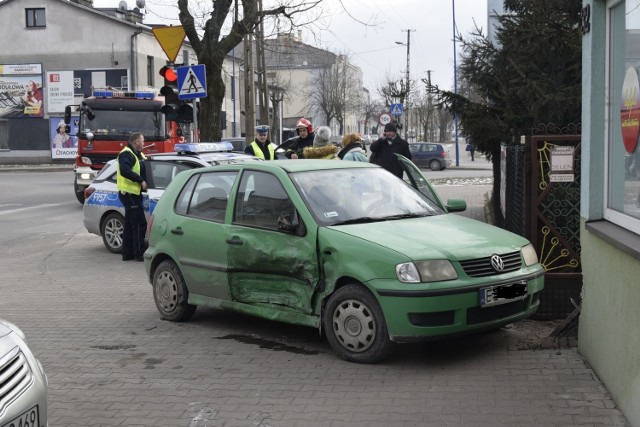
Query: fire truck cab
x: 107, y: 120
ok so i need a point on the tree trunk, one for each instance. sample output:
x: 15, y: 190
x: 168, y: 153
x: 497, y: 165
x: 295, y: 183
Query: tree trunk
x: 211, y: 106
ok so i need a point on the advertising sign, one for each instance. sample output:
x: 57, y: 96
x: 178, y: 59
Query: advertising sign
x: 59, y: 90
x: 630, y: 110
x: 63, y: 145
x: 21, y: 90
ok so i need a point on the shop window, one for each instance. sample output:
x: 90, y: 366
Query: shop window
x: 36, y: 18
x: 622, y: 180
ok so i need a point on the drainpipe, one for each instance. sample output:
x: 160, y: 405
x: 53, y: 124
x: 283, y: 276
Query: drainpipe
x: 133, y: 62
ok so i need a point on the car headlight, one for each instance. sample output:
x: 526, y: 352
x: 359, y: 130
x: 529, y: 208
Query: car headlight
x: 529, y: 255
x: 15, y: 329
x: 86, y: 176
x: 426, y: 271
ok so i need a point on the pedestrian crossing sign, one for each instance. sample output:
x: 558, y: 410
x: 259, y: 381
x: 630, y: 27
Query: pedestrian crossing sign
x: 192, y: 82
x: 396, y: 109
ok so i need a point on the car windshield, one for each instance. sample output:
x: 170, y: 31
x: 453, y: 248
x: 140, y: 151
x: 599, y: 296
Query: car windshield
x: 116, y: 125
x: 358, y: 195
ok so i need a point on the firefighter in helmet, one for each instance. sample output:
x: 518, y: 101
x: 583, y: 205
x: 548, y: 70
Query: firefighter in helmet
x: 294, y: 146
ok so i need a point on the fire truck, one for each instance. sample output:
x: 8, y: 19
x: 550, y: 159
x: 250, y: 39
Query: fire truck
x: 107, y: 119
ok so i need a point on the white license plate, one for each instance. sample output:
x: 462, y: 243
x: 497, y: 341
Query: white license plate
x: 28, y: 418
x: 503, y: 294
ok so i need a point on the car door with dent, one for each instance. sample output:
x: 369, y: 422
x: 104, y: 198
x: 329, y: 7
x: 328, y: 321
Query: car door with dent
x: 271, y: 253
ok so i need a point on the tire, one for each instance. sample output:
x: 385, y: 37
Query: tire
x: 170, y: 293
x: 355, y: 326
x: 79, y: 191
x: 111, y: 232
x: 435, y: 165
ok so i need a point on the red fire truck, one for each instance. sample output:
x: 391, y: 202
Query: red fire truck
x: 107, y: 119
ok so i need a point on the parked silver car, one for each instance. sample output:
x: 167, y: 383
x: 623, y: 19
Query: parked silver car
x: 23, y: 383
x: 103, y: 212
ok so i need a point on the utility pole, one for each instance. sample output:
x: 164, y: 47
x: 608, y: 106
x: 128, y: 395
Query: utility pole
x: 430, y: 137
x: 249, y: 89
x: 263, y: 91
x: 408, y: 86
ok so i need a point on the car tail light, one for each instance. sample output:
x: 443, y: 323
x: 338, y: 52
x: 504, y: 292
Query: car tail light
x: 88, y: 192
x: 444, y: 154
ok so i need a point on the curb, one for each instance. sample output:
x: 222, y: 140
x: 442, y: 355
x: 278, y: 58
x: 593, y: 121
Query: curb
x: 34, y: 168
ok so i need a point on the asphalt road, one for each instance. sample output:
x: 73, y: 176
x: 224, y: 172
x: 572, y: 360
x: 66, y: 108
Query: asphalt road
x: 111, y: 361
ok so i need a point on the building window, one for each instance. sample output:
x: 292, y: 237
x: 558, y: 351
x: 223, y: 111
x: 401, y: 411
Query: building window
x: 622, y: 179
x: 36, y: 18
x: 150, y: 73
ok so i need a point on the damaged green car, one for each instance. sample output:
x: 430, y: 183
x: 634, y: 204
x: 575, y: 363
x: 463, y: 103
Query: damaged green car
x: 345, y: 247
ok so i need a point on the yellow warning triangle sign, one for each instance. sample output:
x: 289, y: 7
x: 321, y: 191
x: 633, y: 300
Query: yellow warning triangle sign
x: 170, y: 39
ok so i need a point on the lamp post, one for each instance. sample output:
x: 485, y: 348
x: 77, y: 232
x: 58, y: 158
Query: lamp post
x: 455, y: 82
x: 408, y: 84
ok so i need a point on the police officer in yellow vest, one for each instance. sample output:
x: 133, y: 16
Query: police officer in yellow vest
x: 261, y: 146
x: 131, y: 180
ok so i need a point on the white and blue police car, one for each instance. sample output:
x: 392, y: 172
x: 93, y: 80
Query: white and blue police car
x: 103, y: 212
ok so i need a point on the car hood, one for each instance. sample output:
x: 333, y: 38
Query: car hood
x: 447, y: 236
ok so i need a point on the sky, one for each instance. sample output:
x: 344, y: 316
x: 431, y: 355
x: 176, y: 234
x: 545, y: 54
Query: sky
x: 373, y: 47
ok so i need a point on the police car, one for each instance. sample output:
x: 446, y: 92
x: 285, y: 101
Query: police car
x: 103, y: 212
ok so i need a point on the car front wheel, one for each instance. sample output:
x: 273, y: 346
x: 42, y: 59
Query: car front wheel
x: 111, y: 231
x: 355, y: 326
x: 170, y: 293
x: 435, y: 165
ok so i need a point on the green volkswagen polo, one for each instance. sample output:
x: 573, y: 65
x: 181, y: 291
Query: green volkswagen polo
x: 368, y: 259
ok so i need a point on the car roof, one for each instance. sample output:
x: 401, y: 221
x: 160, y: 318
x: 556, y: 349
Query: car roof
x: 303, y: 165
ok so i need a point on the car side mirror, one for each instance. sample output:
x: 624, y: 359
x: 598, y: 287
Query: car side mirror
x: 288, y: 223
x: 456, y: 205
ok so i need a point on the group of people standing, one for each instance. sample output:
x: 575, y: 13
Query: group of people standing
x: 310, y: 144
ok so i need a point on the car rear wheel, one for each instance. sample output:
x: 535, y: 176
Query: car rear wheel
x: 435, y: 165
x: 170, y: 293
x: 79, y: 191
x: 355, y: 326
x: 111, y: 231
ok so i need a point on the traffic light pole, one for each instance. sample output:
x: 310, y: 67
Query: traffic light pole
x: 196, y: 137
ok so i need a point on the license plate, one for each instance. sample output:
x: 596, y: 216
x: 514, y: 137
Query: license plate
x: 29, y: 418
x: 503, y: 294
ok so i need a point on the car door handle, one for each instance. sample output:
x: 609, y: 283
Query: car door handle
x: 177, y: 231
x: 234, y: 241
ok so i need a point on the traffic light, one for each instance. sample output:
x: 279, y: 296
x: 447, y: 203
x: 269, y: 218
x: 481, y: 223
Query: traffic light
x: 169, y: 74
x: 171, y: 107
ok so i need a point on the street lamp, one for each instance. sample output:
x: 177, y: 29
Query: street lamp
x: 408, y: 85
x: 455, y: 81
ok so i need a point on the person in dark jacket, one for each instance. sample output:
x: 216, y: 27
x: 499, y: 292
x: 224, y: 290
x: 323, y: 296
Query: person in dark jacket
x: 131, y: 181
x: 296, y: 145
x: 384, y: 150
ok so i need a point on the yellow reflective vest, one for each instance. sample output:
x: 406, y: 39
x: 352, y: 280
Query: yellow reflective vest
x: 257, y: 151
x: 125, y: 184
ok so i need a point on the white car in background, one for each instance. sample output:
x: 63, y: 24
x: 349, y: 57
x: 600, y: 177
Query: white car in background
x: 103, y: 212
x: 23, y: 383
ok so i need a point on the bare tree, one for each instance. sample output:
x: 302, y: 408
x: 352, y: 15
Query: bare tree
x: 211, y: 47
x: 335, y: 92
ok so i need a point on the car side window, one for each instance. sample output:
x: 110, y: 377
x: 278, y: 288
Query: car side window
x: 161, y: 173
x: 182, y: 202
x: 261, y: 201
x: 211, y: 195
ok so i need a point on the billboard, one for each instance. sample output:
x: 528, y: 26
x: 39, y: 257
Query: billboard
x: 63, y: 145
x: 21, y: 92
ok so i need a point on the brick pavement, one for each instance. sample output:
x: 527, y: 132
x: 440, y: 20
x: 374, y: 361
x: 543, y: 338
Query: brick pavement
x: 111, y: 361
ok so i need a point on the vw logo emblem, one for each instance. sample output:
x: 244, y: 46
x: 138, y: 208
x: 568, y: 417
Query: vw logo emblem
x: 497, y: 263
